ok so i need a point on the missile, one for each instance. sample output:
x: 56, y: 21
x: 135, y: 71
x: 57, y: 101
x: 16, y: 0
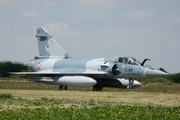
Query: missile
x: 76, y: 81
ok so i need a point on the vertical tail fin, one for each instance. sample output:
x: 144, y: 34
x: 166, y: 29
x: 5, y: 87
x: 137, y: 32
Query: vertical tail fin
x: 48, y: 47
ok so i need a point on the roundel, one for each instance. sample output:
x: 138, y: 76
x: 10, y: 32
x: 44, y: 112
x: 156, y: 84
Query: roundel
x: 38, y: 65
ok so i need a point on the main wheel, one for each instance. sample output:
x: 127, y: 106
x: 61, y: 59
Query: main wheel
x: 63, y: 87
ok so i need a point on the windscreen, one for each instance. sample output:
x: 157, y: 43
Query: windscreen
x: 129, y: 60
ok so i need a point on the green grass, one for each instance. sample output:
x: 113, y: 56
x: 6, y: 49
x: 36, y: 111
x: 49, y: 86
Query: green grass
x: 13, y: 108
x: 153, y: 80
x: 108, y: 104
x: 106, y: 112
x: 5, y: 96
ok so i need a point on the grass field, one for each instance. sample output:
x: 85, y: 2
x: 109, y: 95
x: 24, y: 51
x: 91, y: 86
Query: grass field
x: 55, y: 104
x: 125, y: 98
x: 28, y: 100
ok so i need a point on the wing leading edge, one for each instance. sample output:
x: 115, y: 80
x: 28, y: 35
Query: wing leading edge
x: 60, y: 73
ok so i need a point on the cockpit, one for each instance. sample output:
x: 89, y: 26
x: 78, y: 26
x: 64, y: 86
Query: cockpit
x: 129, y: 60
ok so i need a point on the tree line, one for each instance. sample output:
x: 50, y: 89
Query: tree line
x: 8, y: 66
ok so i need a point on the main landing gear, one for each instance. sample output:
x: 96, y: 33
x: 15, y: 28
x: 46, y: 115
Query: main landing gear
x: 63, y: 87
x: 97, y: 88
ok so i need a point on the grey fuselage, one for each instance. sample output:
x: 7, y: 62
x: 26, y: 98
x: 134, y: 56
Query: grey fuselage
x: 105, y: 68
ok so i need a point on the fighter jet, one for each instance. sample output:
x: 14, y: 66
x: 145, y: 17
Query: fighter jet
x: 55, y: 66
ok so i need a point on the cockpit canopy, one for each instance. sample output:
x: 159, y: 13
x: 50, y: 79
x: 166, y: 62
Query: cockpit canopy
x: 129, y: 60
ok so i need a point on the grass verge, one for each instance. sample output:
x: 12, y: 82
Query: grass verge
x: 54, y: 104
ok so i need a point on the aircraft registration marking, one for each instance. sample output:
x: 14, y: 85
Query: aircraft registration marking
x: 128, y: 69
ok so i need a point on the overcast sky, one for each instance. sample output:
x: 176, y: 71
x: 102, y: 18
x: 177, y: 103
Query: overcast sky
x: 94, y: 28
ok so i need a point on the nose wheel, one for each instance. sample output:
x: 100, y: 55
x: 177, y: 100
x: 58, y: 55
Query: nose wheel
x: 131, y: 81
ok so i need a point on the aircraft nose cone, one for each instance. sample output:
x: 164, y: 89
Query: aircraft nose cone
x: 151, y: 73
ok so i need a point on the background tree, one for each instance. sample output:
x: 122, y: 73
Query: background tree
x: 8, y: 66
x: 162, y: 69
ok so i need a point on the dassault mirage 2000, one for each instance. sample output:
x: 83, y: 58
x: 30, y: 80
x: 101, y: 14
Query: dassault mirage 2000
x: 55, y: 66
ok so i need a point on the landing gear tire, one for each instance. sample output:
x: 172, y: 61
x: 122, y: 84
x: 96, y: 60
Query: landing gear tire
x: 97, y: 88
x: 63, y: 87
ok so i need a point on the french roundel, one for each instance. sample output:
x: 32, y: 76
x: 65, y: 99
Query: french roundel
x: 38, y: 65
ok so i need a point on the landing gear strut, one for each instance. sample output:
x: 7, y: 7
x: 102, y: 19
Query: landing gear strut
x: 131, y: 81
x: 99, y: 86
x: 63, y: 87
